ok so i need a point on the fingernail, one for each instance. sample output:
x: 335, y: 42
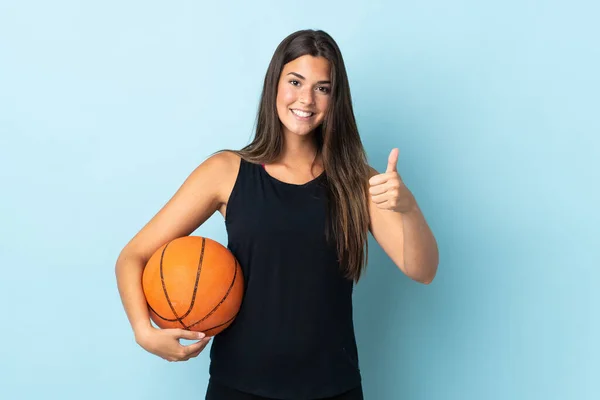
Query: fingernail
x: 201, y: 335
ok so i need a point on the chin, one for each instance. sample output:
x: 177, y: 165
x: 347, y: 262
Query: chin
x: 300, y: 132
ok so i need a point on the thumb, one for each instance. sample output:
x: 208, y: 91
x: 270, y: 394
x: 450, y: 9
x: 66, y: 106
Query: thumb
x: 393, y: 161
x: 190, y: 335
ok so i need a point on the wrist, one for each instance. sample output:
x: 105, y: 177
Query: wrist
x: 141, y: 331
x: 409, y: 205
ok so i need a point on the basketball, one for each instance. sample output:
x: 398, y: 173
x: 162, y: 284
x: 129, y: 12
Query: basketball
x: 193, y: 283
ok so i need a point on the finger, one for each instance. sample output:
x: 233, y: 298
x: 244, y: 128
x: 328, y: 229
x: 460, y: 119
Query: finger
x: 379, y: 199
x: 189, y: 356
x: 185, y: 351
x: 378, y: 189
x: 195, y: 353
x: 393, y: 161
x: 190, y: 335
x: 196, y: 347
x: 379, y: 179
x: 202, y: 344
x: 384, y: 205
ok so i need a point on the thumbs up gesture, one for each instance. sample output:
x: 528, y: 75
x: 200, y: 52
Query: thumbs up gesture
x: 387, y: 190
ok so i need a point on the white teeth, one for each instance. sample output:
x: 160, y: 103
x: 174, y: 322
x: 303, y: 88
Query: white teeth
x: 302, y: 113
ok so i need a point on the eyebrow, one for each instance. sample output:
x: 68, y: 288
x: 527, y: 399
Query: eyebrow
x: 301, y: 77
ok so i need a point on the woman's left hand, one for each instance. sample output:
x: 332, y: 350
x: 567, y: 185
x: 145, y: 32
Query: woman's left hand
x: 387, y: 190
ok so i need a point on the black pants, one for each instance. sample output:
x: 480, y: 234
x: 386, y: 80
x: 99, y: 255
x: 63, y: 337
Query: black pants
x: 216, y: 391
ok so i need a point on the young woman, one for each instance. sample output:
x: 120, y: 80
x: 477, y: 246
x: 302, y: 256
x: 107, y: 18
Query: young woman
x: 298, y: 202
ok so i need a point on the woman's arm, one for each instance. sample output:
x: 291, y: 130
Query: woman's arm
x: 399, y: 226
x: 207, y: 187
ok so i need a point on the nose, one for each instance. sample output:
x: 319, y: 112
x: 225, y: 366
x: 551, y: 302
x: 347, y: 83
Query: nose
x: 307, y: 96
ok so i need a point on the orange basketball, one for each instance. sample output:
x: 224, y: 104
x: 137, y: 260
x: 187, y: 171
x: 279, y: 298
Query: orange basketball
x: 193, y: 283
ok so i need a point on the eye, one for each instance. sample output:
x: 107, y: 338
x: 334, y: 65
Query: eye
x: 293, y: 82
x: 325, y: 89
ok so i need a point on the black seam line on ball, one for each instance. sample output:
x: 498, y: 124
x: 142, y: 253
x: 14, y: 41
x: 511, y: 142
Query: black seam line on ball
x: 177, y: 318
x: 162, y: 280
x: 235, y: 270
x: 164, y: 286
x: 197, y: 280
x: 220, y: 325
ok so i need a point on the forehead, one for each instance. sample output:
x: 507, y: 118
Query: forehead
x: 312, y: 68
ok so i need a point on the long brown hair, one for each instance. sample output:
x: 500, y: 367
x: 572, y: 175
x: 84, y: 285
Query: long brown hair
x: 338, y: 142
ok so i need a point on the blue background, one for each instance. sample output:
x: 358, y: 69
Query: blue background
x: 106, y: 107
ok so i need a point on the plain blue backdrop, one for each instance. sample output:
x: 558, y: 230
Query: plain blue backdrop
x: 106, y: 107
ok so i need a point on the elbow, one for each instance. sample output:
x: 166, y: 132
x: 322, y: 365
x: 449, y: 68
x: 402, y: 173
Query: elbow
x: 422, y: 269
x: 422, y: 274
x: 426, y: 273
x: 428, y: 280
x: 120, y: 261
x: 431, y: 267
x: 125, y: 258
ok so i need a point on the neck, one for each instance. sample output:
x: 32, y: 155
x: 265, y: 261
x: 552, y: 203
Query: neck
x: 298, y: 150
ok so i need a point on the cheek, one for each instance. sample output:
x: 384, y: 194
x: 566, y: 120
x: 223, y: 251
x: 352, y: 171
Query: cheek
x: 285, y: 96
x: 323, y: 104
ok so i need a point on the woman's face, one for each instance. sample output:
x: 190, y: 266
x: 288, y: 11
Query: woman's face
x: 303, y: 94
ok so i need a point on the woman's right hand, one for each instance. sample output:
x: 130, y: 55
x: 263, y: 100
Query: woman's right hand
x: 165, y: 343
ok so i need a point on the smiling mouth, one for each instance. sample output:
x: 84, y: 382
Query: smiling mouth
x: 302, y: 114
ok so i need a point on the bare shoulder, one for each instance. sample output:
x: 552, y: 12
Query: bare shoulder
x: 225, y: 167
x: 225, y: 159
x: 215, y: 174
x: 223, y: 164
